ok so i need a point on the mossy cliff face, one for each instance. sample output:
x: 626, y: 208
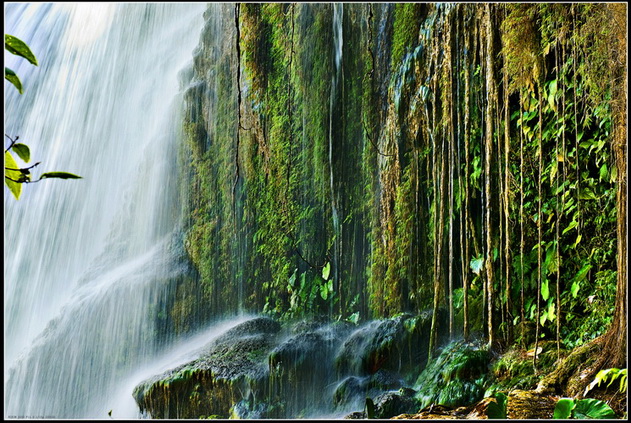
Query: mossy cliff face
x: 371, y: 159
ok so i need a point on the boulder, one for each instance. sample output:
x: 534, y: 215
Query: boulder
x: 457, y: 377
x: 398, y: 344
x: 394, y: 403
x: 230, y: 369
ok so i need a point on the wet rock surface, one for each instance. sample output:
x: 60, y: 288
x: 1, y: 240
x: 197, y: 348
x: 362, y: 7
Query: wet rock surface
x: 398, y: 344
x: 230, y: 368
x: 261, y: 369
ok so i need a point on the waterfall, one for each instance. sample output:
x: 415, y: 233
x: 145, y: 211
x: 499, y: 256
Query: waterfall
x: 89, y: 262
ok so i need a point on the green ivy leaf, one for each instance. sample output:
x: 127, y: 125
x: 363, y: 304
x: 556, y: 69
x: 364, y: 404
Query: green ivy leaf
x: 563, y: 408
x: 61, y: 175
x: 10, y: 76
x: 22, y: 151
x: 19, y: 48
x: 14, y: 187
x: 592, y: 409
x: 326, y: 271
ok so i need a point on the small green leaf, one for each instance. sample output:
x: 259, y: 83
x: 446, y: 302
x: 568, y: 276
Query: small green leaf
x: 14, y: 187
x: 22, y: 151
x: 61, y: 175
x: 571, y: 226
x: 545, y: 289
x: 324, y: 292
x: 563, y: 408
x: 575, y: 287
x: 553, y: 87
x: 19, y: 48
x: 551, y: 311
x: 10, y: 76
x: 326, y: 271
x: 604, y: 173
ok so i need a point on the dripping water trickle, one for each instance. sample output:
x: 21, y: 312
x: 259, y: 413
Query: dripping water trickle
x: 338, y: 41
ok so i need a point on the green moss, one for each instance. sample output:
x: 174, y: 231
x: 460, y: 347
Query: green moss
x: 458, y: 376
x: 407, y: 22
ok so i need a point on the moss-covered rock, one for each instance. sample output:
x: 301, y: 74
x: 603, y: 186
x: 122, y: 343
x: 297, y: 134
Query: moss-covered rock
x: 398, y: 344
x: 394, y: 403
x: 456, y: 377
x: 230, y: 369
x: 354, y: 390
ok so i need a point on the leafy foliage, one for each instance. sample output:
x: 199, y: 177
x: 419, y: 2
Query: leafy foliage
x: 14, y: 176
x: 609, y: 374
x: 588, y: 408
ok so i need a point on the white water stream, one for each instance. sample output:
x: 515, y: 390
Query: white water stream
x: 87, y: 262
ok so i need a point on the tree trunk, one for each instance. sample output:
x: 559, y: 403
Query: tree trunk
x: 615, y: 340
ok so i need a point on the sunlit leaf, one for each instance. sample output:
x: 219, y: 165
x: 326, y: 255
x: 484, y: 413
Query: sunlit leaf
x: 14, y: 187
x: 326, y: 271
x: 19, y: 48
x: 545, y: 289
x: 571, y: 226
x: 574, y: 289
x: 10, y: 76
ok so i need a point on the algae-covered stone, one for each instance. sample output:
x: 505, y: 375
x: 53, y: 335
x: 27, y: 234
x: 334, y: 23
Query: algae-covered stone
x: 231, y: 368
x: 398, y: 344
x: 456, y: 377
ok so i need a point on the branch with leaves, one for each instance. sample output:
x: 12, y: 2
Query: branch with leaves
x: 15, y: 176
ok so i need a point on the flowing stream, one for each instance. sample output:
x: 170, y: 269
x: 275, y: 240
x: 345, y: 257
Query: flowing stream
x: 87, y: 262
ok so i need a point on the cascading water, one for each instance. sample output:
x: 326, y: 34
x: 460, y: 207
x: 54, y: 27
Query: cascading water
x: 88, y: 262
x: 338, y: 42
